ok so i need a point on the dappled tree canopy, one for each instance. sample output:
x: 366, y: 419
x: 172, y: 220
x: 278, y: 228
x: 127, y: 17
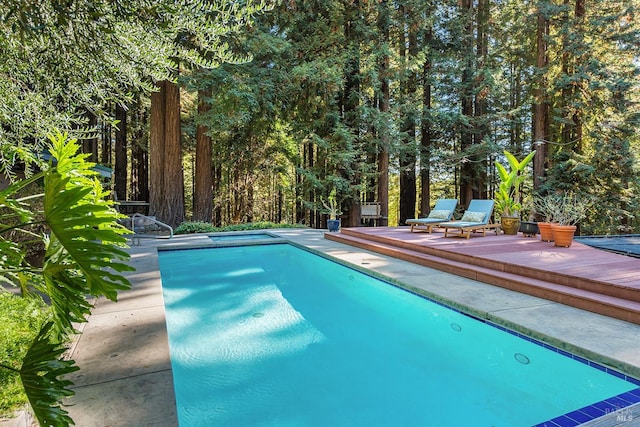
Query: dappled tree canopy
x: 444, y: 88
x: 399, y: 102
x: 62, y: 62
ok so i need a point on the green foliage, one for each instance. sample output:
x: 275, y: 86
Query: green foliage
x: 304, y: 114
x: 40, y: 373
x: 563, y: 208
x: 21, y: 320
x: 83, y: 256
x: 82, y: 251
x: 205, y: 227
x: 332, y: 207
x: 59, y: 59
x: 508, y: 193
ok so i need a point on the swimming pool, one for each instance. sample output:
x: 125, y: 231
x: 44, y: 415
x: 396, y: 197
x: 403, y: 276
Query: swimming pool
x: 274, y: 335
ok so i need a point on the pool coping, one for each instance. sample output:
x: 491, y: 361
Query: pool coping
x: 102, y: 396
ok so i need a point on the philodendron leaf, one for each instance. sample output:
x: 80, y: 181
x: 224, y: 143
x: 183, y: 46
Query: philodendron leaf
x: 41, y: 373
x: 84, y: 251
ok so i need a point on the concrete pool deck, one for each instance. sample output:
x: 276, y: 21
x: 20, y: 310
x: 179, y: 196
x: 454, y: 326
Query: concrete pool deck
x: 125, y: 374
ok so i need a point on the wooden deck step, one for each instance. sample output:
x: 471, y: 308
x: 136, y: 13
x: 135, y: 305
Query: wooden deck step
x: 586, y: 299
x: 617, y: 289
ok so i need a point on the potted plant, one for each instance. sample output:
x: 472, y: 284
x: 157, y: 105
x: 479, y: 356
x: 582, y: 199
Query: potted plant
x: 528, y: 228
x: 507, y: 197
x: 569, y: 211
x: 546, y: 207
x: 332, y: 208
x: 561, y: 213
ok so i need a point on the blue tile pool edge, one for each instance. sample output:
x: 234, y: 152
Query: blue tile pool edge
x: 612, y: 405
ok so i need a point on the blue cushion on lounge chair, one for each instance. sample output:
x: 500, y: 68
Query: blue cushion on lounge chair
x: 440, y: 214
x: 475, y: 218
x: 470, y: 216
x: 442, y: 211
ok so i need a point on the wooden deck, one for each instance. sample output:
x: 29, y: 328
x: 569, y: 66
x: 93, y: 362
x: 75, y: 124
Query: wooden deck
x: 579, y: 276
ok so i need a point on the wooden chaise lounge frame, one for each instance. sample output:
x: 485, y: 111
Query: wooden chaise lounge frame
x: 427, y: 224
x: 467, y: 227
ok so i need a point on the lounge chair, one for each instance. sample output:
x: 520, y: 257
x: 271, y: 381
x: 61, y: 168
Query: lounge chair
x: 442, y: 212
x: 476, y: 218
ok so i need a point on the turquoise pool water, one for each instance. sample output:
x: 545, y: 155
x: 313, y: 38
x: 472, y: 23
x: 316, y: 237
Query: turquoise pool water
x: 272, y: 335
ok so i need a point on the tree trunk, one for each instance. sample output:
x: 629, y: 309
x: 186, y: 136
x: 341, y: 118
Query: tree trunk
x: 105, y: 154
x: 350, y: 102
x: 167, y: 180
x: 139, y: 155
x: 579, y: 86
x: 156, y: 149
x: 279, y: 206
x: 481, y: 90
x: 567, y: 91
x: 217, y: 209
x: 467, y: 172
x: 203, y: 188
x: 408, y: 87
x: 313, y: 219
x: 173, y: 212
x: 249, y: 202
x: 139, y: 171
x: 541, y: 106
x: 425, y: 134
x: 90, y: 146
x: 384, y: 103
x: 120, y: 154
x: 299, y: 217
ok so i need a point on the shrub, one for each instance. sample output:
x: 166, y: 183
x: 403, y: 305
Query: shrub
x: 205, y: 227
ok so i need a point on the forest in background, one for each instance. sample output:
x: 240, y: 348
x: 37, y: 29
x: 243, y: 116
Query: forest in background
x: 397, y: 102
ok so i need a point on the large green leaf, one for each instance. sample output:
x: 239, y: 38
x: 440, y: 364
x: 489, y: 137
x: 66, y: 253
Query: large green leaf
x: 84, y: 254
x: 85, y: 246
x: 508, y: 197
x: 519, y: 165
x: 41, y: 370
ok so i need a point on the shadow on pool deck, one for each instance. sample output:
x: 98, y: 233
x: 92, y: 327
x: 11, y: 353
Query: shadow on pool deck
x: 125, y: 377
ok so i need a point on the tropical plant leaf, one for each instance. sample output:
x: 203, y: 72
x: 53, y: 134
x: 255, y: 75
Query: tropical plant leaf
x: 84, y: 248
x: 41, y: 370
x: 83, y: 256
x: 502, y: 171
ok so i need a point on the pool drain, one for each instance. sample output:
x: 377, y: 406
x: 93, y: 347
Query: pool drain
x: 258, y: 314
x: 522, y: 358
x: 456, y: 327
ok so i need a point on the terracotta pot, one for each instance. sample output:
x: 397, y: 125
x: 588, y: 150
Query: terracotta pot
x: 545, y: 231
x: 510, y: 225
x: 563, y: 234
